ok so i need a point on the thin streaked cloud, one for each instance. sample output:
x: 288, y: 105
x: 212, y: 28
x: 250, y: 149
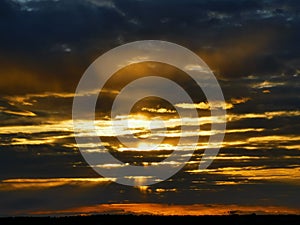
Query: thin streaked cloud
x: 256, y: 63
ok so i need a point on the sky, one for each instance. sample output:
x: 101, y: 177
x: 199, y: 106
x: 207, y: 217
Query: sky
x: 250, y: 46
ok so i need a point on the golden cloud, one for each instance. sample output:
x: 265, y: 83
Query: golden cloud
x: 171, y: 210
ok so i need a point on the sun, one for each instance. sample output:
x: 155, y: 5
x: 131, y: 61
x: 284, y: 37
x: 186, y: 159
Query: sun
x: 146, y: 146
x: 139, y: 121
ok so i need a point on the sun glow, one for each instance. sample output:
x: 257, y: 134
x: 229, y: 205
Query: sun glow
x: 138, y: 121
x: 144, y: 146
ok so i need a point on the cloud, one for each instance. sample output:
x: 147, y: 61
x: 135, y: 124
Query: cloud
x: 196, y: 67
x: 170, y: 210
x: 205, y: 105
x: 250, y: 44
x: 108, y: 4
x: 30, y: 99
x: 252, y: 47
x: 45, y: 183
x: 236, y: 101
x: 239, y: 57
x: 18, y: 113
x: 265, y: 115
x: 267, y: 84
x: 158, y: 110
x: 216, y: 104
x: 287, y: 175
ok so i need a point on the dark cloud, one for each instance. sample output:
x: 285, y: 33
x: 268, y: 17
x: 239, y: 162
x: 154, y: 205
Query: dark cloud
x: 252, y: 46
x: 49, y: 44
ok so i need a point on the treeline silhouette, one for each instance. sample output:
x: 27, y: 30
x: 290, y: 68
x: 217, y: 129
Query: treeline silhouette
x: 148, y: 219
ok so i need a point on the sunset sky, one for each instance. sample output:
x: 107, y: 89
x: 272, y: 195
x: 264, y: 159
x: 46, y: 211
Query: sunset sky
x: 252, y: 47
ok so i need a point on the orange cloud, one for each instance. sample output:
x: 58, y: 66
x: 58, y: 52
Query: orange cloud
x: 267, y: 84
x: 237, y: 55
x: 158, y: 110
x: 205, y: 105
x: 236, y: 101
x: 19, y: 113
x: 169, y: 210
x: 37, y: 183
x: 283, y: 175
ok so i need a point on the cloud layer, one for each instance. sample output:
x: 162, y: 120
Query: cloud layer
x: 251, y: 46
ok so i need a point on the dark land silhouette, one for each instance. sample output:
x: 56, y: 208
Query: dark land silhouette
x: 147, y: 219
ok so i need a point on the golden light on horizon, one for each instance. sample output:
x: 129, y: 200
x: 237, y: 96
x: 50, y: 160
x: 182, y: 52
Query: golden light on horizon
x: 172, y: 209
